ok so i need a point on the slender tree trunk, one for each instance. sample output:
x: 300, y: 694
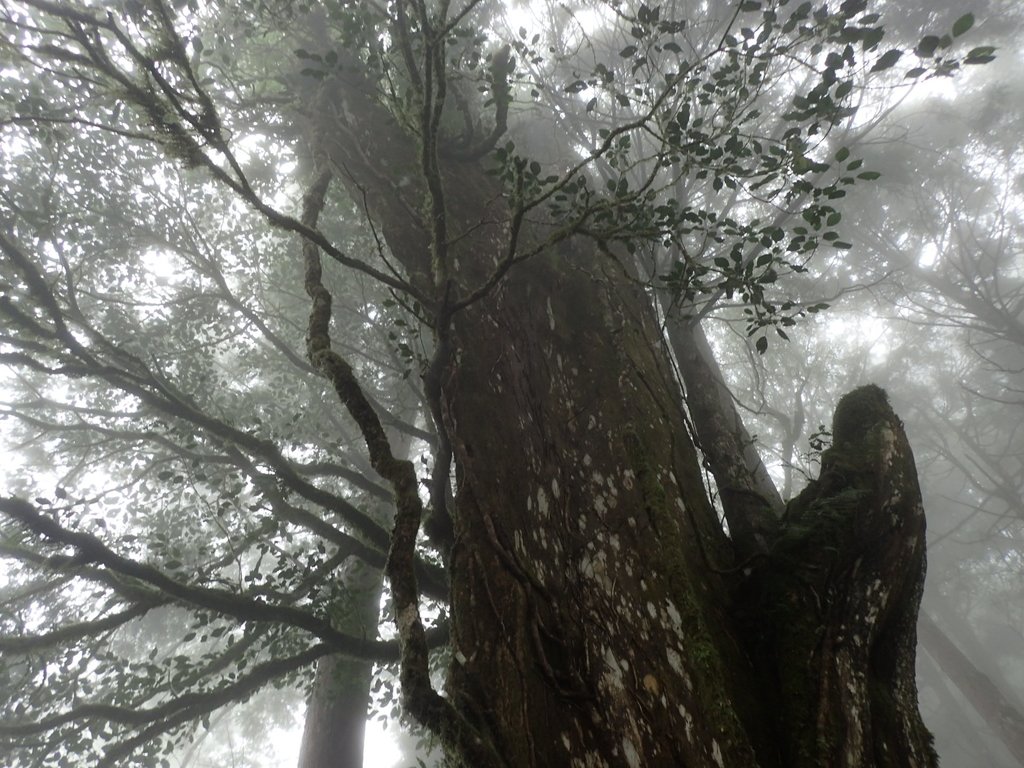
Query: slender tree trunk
x: 332, y: 736
x: 336, y: 711
x: 978, y: 688
x: 749, y: 497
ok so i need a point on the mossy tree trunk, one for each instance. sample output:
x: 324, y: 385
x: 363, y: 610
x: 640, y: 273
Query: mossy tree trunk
x: 600, y: 616
x: 587, y: 615
x: 834, y: 605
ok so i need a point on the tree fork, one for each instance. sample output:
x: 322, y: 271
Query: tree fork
x: 835, y: 604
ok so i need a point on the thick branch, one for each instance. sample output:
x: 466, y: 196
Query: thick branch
x: 18, y: 644
x: 90, y: 549
x: 418, y: 693
x: 749, y: 498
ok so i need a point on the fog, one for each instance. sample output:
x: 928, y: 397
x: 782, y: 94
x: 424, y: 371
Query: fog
x: 192, y: 525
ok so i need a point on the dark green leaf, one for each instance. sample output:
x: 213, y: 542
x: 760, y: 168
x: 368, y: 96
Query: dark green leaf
x: 646, y: 14
x: 872, y: 38
x: 683, y: 116
x: 628, y: 51
x: 887, y: 60
x: 762, y: 345
x: 963, y: 24
x: 927, y: 46
x: 980, y: 55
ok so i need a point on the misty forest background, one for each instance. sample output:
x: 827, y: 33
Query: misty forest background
x: 927, y: 301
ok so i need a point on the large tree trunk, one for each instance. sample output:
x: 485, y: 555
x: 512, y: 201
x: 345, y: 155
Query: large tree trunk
x: 586, y: 608
x: 599, y: 614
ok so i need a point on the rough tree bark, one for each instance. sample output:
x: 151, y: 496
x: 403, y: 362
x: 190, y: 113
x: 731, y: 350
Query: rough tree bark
x: 600, y: 616
x: 719, y: 427
x: 836, y: 601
